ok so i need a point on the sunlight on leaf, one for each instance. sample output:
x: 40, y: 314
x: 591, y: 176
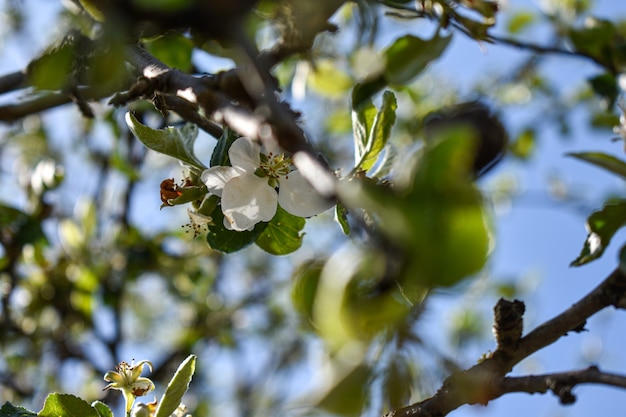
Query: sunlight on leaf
x: 371, y: 134
x: 66, y: 405
x: 602, y: 226
x: 176, y: 388
x: 175, y: 142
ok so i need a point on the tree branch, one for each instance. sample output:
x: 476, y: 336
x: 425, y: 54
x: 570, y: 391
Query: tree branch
x: 486, y: 380
x: 541, y: 49
x: 561, y: 384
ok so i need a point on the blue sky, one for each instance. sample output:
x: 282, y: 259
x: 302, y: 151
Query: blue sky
x: 536, y: 238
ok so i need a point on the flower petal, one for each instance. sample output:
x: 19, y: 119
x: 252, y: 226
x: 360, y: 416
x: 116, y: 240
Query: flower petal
x: 248, y: 200
x: 114, y: 377
x: 299, y: 198
x: 141, y: 387
x: 244, y: 154
x: 216, y: 177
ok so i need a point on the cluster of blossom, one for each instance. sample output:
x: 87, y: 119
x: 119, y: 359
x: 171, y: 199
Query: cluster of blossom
x: 257, y: 182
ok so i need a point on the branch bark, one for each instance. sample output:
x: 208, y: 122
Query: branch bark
x: 486, y: 380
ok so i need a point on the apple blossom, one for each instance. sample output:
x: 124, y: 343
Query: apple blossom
x: 127, y: 378
x: 248, y: 188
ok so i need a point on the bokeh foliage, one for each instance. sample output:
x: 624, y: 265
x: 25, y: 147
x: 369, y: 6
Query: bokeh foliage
x: 92, y: 272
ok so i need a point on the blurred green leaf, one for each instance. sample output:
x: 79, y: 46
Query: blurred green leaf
x: 66, y: 405
x: 176, y: 388
x: 397, y: 383
x: 282, y: 234
x: 520, y: 21
x: 405, y: 58
x: 347, y: 397
x: 604, y: 119
x: 328, y: 80
x: 353, y: 302
x: 305, y: 280
x: 598, y: 39
x: 605, y: 85
x: 228, y: 241
x: 409, y: 55
x: 21, y: 227
x: 52, y: 71
x: 174, y: 49
x: 439, y: 218
x: 171, y: 141
x: 601, y: 225
x: 107, y: 64
x: 602, y: 160
x: 9, y: 410
x: 524, y: 145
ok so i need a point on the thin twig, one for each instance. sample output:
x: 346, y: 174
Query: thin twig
x: 542, y: 49
x: 561, y: 384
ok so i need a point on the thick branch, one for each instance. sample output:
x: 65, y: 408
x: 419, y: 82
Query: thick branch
x: 49, y: 100
x: 486, y: 380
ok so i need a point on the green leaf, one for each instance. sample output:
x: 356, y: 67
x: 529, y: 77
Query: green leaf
x: 605, y: 85
x: 328, y: 80
x: 398, y: 382
x: 305, y: 281
x: 439, y: 218
x: 601, y: 225
x: 66, y: 405
x: 176, y: 388
x: 520, y: 21
x: 602, y: 160
x: 404, y: 60
x: 228, y: 241
x: 347, y: 397
x: 173, y: 49
x: 282, y: 234
x: 363, y: 115
x: 52, y: 70
x: 9, y: 410
x: 22, y: 227
x: 596, y: 39
x: 341, y: 216
x: 524, y: 145
x: 102, y: 409
x: 409, y: 55
x: 220, y: 152
x: 378, y: 131
x: 171, y: 141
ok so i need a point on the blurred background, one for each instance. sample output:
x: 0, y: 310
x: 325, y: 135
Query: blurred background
x: 102, y: 274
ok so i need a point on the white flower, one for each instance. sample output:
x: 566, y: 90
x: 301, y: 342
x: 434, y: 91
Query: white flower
x: 248, y: 187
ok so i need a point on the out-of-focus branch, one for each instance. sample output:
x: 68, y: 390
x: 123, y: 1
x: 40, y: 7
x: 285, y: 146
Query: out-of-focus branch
x: 543, y: 49
x: 487, y: 380
x: 12, y: 82
x: 264, y: 118
x: 49, y: 100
